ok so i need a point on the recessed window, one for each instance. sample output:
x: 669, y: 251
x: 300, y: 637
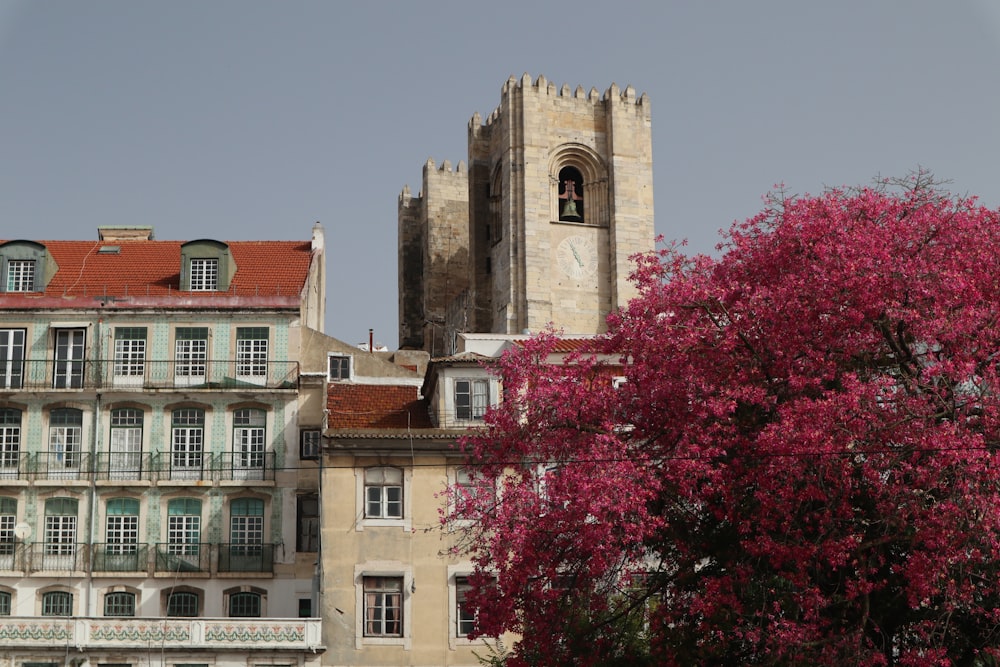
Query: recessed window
x: 10, y: 443
x: 8, y: 519
x: 187, y: 443
x: 309, y: 444
x: 5, y: 603
x: 182, y: 604
x: 57, y: 603
x: 251, y: 353
x: 340, y: 367
x: 11, y: 358
x: 125, y: 446
x: 248, y: 443
x: 465, y: 615
x: 570, y: 195
x: 383, y: 598
x: 119, y: 604
x: 190, y: 355
x: 244, y: 605
x: 383, y: 493
x: 204, y: 275
x: 130, y: 354
x: 21, y: 275
x: 472, y: 397
x: 184, y: 534
x: 67, y: 371
x: 65, y: 443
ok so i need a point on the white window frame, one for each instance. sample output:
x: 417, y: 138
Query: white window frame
x: 10, y: 445
x: 252, y: 356
x: 310, y: 444
x: 13, y: 344
x: 340, y: 376
x: 187, y: 443
x: 130, y: 356
x: 204, y: 276
x: 383, y: 569
x: 405, y: 522
x: 478, y: 391
x: 190, y: 357
x: 456, y: 572
x: 249, y: 451
x: 65, y: 453
x: 69, y: 346
x: 125, y: 444
x: 20, y: 275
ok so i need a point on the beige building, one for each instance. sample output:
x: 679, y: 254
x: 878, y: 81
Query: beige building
x: 537, y: 229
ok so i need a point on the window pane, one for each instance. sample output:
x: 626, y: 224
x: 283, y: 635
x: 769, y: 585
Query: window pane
x: 119, y: 604
x: 383, y: 606
x: 182, y: 604
x: 57, y: 604
x: 244, y: 605
x: 20, y: 275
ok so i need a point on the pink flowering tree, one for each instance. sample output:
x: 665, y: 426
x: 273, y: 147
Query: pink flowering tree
x: 800, y: 467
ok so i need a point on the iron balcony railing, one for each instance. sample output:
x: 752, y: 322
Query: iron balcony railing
x: 127, y: 557
x: 136, y: 374
x: 58, y: 557
x: 13, y: 556
x: 231, y: 465
x: 246, y: 558
x: 184, y: 558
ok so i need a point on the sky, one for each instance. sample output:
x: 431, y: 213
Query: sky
x: 253, y: 119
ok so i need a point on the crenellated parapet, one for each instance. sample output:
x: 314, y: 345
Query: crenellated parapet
x: 543, y: 88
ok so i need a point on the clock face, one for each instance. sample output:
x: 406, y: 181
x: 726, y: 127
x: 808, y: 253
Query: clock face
x: 577, y: 256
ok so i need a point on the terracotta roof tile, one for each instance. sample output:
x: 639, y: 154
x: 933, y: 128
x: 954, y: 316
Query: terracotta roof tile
x: 357, y: 406
x: 152, y: 268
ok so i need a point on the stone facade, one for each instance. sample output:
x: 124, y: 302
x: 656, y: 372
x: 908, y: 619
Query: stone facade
x: 511, y: 254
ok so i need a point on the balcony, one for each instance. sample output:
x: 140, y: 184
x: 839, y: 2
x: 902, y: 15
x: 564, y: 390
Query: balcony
x: 230, y: 465
x: 246, y: 558
x: 58, y: 557
x: 138, y: 634
x: 186, y: 558
x: 120, y: 557
x: 39, y: 375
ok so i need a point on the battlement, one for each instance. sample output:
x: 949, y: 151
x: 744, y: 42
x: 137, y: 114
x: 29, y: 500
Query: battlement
x: 432, y: 171
x: 543, y: 87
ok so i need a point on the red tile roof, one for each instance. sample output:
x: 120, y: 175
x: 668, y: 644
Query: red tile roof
x: 567, y: 345
x: 152, y: 268
x: 361, y: 406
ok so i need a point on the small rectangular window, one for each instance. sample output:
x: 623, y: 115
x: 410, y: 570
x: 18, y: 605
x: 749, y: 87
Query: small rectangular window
x: 383, y: 493
x: 340, y: 367
x: 21, y: 275
x: 305, y: 608
x: 472, y: 397
x: 309, y: 444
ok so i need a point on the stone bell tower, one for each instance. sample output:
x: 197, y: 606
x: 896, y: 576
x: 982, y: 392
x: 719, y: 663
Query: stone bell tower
x: 559, y: 196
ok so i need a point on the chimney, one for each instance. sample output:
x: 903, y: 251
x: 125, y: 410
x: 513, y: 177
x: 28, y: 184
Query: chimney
x: 125, y: 233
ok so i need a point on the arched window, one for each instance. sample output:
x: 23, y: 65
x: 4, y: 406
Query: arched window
x: 57, y: 603
x: 183, y: 603
x: 60, y: 534
x: 571, y: 194
x: 122, y: 532
x: 119, y: 603
x: 125, y: 459
x: 184, y: 532
x: 244, y: 603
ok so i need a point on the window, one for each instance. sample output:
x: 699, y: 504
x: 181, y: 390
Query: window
x: 190, y: 355
x: 248, y: 443
x: 57, y: 603
x: 65, y: 443
x: 10, y: 442
x: 309, y: 444
x: 130, y: 354
x: 5, y: 603
x: 8, y: 519
x: 383, y: 598
x: 383, y: 493
x: 251, y: 353
x: 125, y: 456
x: 465, y: 615
x: 305, y: 608
x: 184, y: 527
x: 204, y: 275
x: 11, y: 358
x: 307, y: 516
x: 182, y: 603
x: 340, y: 367
x: 246, y: 551
x: 187, y: 443
x: 67, y: 371
x: 122, y: 526
x: 21, y: 275
x: 60, y: 534
x: 119, y: 604
x: 244, y: 605
x: 471, y: 398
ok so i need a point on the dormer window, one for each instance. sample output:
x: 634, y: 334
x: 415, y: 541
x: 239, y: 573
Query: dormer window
x: 21, y: 275
x: 204, y: 275
x: 23, y: 266
x: 206, y: 266
x: 472, y: 397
